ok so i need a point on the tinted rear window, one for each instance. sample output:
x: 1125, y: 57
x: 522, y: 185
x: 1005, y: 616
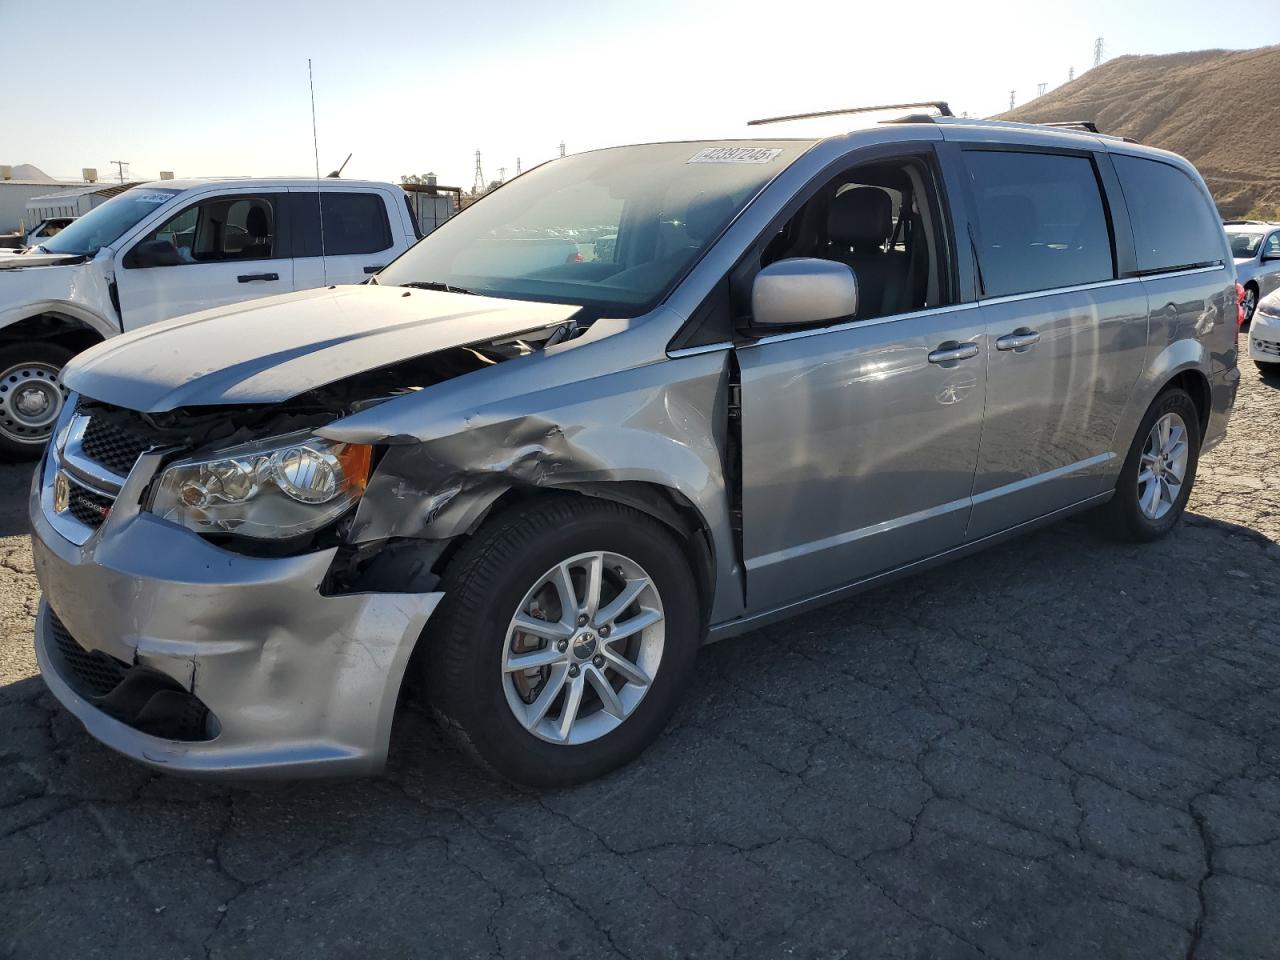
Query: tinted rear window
x: 353, y: 223
x: 1174, y: 226
x: 1041, y: 221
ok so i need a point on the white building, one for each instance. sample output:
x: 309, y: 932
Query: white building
x: 20, y: 183
x: 73, y: 202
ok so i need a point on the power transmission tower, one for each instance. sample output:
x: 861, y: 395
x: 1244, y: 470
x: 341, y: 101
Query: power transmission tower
x: 502, y: 174
x: 1071, y: 74
x: 1040, y: 89
x: 122, y: 167
x: 478, y: 185
x: 1012, y: 95
x: 1097, y: 52
x: 517, y: 166
x: 562, y: 148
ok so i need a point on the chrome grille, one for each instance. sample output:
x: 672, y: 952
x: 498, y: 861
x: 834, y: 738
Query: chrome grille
x: 111, y: 446
x: 88, y: 506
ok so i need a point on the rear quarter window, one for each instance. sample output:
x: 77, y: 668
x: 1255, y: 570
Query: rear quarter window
x: 1174, y: 227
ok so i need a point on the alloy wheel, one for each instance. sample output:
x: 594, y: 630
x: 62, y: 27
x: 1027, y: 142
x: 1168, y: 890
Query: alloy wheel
x: 1163, y: 466
x: 583, y: 648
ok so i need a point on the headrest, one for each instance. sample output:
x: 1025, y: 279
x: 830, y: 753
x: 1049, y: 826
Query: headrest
x: 706, y: 214
x: 861, y: 217
x: 256, y: 223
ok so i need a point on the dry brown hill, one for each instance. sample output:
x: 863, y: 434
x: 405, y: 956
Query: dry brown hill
x: 1218, y: 108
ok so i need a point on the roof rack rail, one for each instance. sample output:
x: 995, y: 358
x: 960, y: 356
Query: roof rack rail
x: 1088, y: 126
x: 939, y: 105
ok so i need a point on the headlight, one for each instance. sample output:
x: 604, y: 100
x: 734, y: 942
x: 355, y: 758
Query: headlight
x: 271, y: 490
x: 1269, y: 308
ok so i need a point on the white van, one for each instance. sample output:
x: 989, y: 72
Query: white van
x: 175, y: 247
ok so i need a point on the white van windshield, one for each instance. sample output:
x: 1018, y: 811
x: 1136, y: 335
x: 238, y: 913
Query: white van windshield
x: 613, y: 229
x: 107, y: 223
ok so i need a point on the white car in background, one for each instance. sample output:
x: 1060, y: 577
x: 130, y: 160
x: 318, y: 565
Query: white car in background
x: 1264, y: 334
x: 175, y: 247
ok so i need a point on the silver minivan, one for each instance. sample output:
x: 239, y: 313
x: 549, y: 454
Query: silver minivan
x: 783, y: 371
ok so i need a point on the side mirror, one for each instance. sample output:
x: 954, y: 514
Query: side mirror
x: 1273, y: 255
x: 803, y: 290
x: 154, y: 253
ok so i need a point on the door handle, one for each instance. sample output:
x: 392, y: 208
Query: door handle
x: 250, y: 277
x: 375, y: 268
x: 951, y: 351
x: 1018, y: 340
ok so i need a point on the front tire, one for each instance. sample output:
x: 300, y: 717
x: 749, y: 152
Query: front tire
x: 565, y: 640
x: 1159, y: 471
x: 1250, y: 303
x: 31, y: 397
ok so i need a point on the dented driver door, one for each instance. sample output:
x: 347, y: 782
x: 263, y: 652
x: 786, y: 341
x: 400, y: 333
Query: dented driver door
x: 859, y: 447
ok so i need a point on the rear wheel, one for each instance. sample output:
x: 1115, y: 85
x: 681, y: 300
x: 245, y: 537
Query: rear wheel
x: 31, y: 397
x: 565, y: 640
x: 1158, y: 472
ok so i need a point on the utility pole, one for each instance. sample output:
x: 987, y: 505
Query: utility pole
x: 121, y: 167
x: 478, y: 184
x: 1040, y: 89
x: 1012, y: 95
x: 1097, y: 52
x: 561, y: 148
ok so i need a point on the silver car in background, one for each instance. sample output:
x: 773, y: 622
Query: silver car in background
x: 1255, y: 248
x: 784, y: 371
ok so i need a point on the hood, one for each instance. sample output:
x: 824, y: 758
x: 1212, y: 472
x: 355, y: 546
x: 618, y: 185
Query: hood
x: 23, y: 259
x: 266, y: 351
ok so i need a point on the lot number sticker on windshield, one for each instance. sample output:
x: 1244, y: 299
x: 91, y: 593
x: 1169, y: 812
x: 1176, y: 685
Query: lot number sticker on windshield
x: 152, y: 197
x: 735, y: 155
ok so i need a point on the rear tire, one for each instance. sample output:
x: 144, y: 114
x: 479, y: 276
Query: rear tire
x: 489, y: 704
x: 1143, y: 508
x: 31, y: 397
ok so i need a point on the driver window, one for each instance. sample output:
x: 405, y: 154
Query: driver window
x: 226, y: 228
x: 882, y: 221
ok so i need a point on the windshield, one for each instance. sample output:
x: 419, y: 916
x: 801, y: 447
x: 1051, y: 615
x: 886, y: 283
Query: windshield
x: 106, y: 224
x: 611, y: 229
x: 1244, y: 245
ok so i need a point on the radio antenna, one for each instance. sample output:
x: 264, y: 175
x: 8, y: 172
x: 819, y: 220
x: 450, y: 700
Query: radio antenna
x: 315, y: 145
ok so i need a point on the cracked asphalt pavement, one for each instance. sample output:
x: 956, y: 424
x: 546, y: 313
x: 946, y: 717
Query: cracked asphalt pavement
x: 1063, y: 747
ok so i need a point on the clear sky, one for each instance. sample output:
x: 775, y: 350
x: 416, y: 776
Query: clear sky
x: 220, y: 88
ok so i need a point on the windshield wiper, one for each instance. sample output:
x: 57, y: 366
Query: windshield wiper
x: 437, y: 285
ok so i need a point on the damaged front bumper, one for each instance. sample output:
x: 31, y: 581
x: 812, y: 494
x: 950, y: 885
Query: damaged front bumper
x: 193, y: 659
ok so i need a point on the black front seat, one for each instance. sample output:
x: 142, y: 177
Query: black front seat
x: 859, y: 224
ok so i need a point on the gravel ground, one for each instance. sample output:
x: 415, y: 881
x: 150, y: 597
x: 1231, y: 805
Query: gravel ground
x: 1060, y: 748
